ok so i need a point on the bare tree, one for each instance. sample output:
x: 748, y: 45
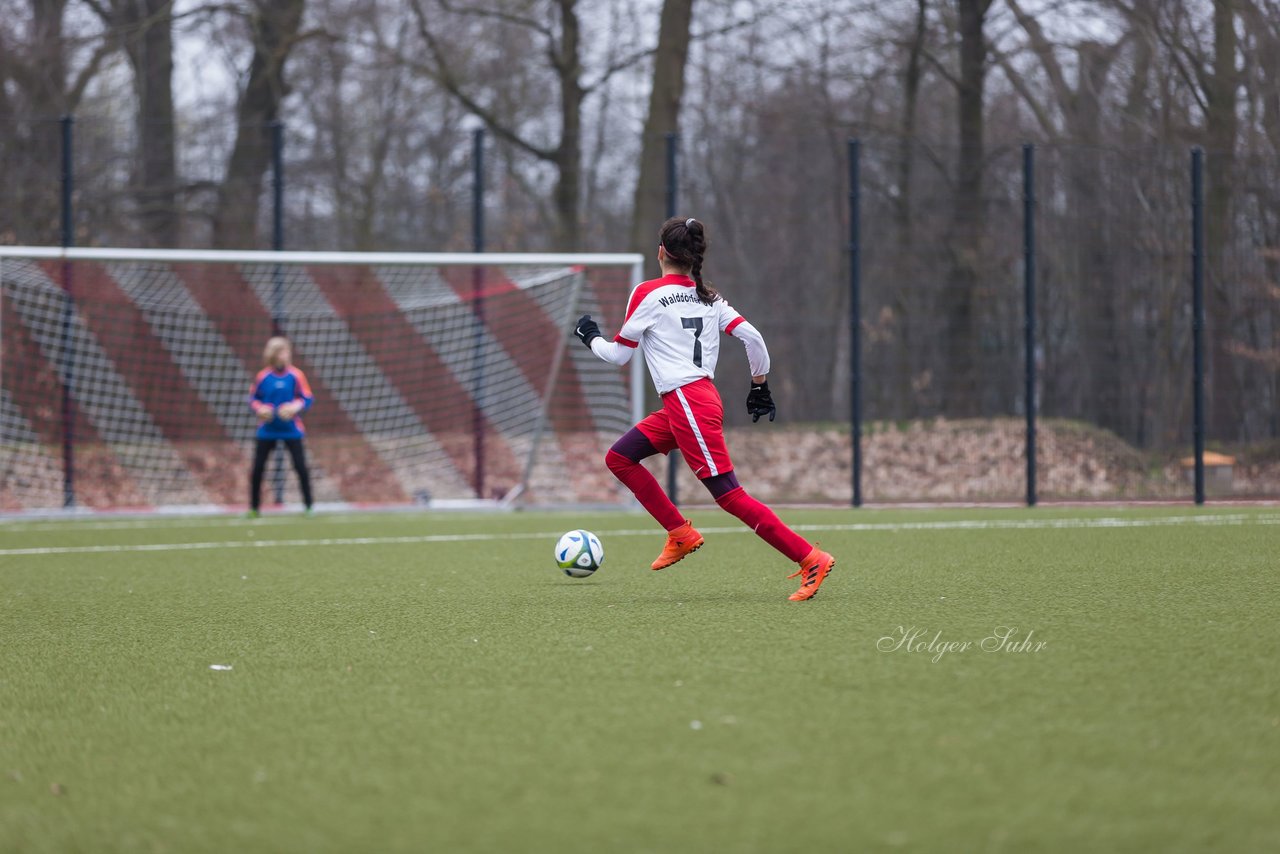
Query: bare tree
x: 1136, y: 128
x: 663, y: 118
x: 558, y: 26
x: 912, y: 74
x: 1264, y: 18
x: 1080, y: 107
x: 1221, y: 86
x: 275, y: 29
x: 968, y: 226
x: 145, y: 29
x: 43, y: 75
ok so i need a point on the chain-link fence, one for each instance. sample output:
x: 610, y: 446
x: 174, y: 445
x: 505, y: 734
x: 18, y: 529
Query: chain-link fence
x: 942, y: 309
x: 943, y: 318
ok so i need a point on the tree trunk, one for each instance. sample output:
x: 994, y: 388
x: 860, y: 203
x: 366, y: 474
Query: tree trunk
x: 649, y: 205
x: 30, y: 144
x: 565, y: 58
x: 1101, y: 308
x: 1105, y: 297
x: 1137, y: 129
x: 50, y: 84
x: 911, y: 95
x: 275, y: 29
x: 960, y: 392
x: 1225, y: 392
x: 568, y: 156
x: 1270, y: 65
x: 149, y: 46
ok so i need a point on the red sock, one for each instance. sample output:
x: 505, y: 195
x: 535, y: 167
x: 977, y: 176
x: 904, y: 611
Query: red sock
x: 646, y: 489
x: 765, y: 523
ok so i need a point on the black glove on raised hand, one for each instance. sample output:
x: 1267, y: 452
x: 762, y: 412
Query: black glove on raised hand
x: 587, y: 330
x: 760, y: 402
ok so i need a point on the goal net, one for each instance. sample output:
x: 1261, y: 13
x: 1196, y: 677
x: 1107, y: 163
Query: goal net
x: 438, y: 379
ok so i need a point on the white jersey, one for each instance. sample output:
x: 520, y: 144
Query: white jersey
x: 677, y: 332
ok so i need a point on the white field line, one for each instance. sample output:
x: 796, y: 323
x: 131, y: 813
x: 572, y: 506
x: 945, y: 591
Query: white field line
x: 161, y: 523
x: 178, y: 521
x: 1236, y: 519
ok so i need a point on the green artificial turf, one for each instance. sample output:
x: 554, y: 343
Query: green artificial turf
x: 463, y: 695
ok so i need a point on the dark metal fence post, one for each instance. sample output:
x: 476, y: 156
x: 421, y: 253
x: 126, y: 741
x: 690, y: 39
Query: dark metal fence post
x: 277, y: 280
x: 855, y: 313
x: 673, y: 185
x: 277, y: 185
x: 1197, y: 313
x: 477, y: 190
x: 1029, y: 307
x: 277, y: 224
x: 477, y: 297
x: 68, y: 181
x: 68, y: 314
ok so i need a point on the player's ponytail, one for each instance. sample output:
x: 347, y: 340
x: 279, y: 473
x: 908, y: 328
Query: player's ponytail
x: 698, y: 243
x: 685, y: 241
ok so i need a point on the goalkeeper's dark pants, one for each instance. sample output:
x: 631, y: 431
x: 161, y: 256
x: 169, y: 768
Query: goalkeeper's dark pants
x: 262, y: 452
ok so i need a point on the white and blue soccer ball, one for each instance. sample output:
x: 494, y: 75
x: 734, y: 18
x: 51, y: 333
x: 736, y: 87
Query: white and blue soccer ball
x: 579, y: 554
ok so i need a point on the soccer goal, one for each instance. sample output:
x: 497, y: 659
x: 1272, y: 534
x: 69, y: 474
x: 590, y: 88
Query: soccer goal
x: 439, y: 379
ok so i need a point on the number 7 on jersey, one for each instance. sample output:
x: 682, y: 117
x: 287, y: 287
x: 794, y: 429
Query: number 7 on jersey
x: 694, y: 323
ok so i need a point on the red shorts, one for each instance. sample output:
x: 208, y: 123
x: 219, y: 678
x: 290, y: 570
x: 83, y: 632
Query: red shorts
x: 691, y: 419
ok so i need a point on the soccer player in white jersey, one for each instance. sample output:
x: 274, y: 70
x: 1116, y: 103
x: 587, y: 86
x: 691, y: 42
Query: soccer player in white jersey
x: 677, y: 321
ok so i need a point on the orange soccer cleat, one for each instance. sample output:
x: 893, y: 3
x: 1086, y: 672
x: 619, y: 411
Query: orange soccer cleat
x: 680, y: 542
x: 814, y: 570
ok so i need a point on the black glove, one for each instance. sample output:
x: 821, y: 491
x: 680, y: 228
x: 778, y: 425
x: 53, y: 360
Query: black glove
x: 587, y: 330
x: 760, y: 402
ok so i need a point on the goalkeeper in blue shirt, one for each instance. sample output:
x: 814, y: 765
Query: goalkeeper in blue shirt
x: 279, y: 396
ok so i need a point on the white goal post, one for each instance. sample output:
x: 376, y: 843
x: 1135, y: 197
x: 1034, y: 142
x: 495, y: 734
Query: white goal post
x: 441, y: 379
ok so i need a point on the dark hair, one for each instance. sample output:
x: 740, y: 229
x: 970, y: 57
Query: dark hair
x: 685, y: 240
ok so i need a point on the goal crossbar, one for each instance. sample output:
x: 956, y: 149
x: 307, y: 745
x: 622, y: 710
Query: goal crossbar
x: 378, y: 259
